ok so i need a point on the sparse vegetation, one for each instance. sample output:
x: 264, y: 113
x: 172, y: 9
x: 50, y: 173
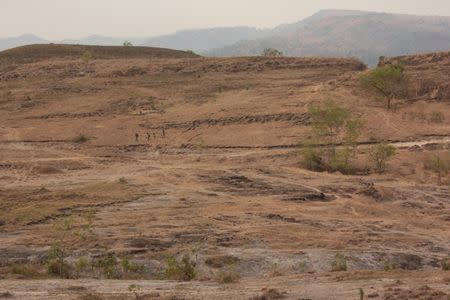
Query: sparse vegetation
x: 123, y: 180
x: 80, y: 139
x: 337, y: 131
x: 28, y: 271
x: 269, y: 294
x: 388, y: 81
x: 445, y: 264
x: 339, y: 263
x: 439, y: 164
x: 228, y: 275
x: 380, y: 154
x: 437, y: 117
x: 183, y: 270
x: 129, y: 266
x: 127, y: 44
x: 135, y: 289
x: 107, y: 265
x: 271, y: 52
x: 57, y: 264
x: 86, y: 56
x: 388, y: 265
x: 81, y: 265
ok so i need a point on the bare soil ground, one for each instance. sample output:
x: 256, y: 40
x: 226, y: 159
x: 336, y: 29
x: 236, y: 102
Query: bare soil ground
x: 200, y: 156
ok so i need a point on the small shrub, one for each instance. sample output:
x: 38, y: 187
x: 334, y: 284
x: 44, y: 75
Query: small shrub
x: 26, y: 270
x: 339, y: 263
x: 437, y: 117
x: 445, y: 264
x: 380, y: 154
x: 132, y: 267
x: 183, y: 270
x: 86, y: 56
x: 81, y: 265
x: 127, y: 44
x: 439, y: 164
x: 80, y: 139
x: 340, y: 161
x: 311, y: 159
x: 301, y: 266
x: 107, y: 265
x: 56, y: 264
x: 271, y: 52
x: 337, y: 132
x: 388, y: 266
x: 123, y: 180
x: 135, y: 289
x: 269, y: 294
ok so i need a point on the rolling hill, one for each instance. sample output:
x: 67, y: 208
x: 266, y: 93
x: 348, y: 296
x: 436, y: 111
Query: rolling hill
x: 336, y: 33
x: 364, y: 35
x: 32, y: 53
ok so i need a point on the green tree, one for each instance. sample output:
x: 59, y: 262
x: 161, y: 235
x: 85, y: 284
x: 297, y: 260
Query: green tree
x: 335, y: 128
x: 389, y: 81
x: 380, y: 155
x: 127, y: 44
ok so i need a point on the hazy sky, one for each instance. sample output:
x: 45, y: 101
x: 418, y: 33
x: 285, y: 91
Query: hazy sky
x: 58, y: 19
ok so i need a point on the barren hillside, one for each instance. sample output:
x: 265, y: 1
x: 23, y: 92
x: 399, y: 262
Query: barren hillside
x: 155, y: 157
x: 38, y: 52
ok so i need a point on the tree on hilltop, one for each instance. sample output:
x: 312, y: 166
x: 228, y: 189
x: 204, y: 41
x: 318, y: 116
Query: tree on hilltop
x: 388, y: 81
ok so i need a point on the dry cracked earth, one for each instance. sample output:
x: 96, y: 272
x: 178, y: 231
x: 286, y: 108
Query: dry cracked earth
x: 200, y: 156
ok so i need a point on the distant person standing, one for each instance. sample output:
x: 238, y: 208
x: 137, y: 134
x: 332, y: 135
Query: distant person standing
x: 136, y: 135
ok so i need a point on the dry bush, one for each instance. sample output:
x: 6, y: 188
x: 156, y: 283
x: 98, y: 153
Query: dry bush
x: 183, y: 270
x: 269, y: 294
x: 380, y: 154
x: 80, y: 139
x: 339, y: 263
x: 445, y: 264
x: 439, y: 164
x: 437, y: 117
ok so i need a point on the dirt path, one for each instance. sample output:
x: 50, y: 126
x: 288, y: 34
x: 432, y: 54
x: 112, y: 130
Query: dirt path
x: 323, y: 287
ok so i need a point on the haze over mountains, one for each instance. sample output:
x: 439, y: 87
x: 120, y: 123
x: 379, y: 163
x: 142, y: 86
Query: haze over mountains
x: 365, y: 35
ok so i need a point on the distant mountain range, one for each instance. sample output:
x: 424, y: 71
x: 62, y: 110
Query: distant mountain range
x: 360, y: 34
x: 364, y: 35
